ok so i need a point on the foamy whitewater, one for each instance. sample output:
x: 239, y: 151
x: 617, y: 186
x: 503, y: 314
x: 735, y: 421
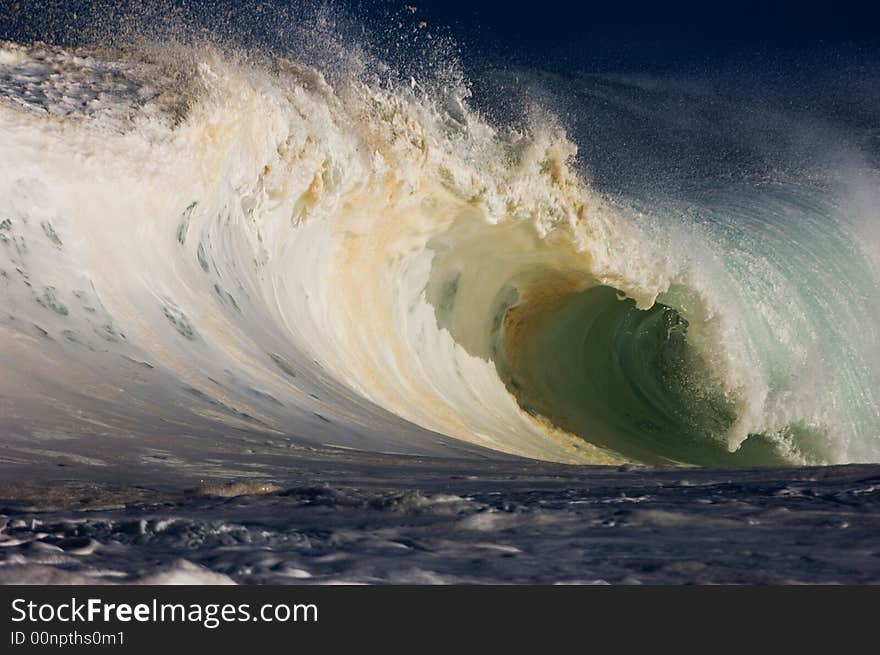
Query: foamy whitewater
x: 205, y: 252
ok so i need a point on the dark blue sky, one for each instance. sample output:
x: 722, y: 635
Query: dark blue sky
x: 621, y: 31
x: 566, y: 34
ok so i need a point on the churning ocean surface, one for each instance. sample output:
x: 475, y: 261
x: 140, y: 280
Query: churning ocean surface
x: 298, y: 292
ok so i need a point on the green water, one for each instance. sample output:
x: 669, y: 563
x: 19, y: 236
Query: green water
x: 626, y: 379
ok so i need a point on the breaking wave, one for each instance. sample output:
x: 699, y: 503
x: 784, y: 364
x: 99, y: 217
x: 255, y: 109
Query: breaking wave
x: 194, y: 242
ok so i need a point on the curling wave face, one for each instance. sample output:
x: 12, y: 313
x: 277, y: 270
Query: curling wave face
x: 191, y: 244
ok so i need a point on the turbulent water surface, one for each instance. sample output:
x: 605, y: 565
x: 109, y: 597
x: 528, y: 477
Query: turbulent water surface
x: 292, y: 269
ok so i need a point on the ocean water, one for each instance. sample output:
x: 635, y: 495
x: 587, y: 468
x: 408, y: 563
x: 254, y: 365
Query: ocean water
x: 312, y: 312
x: 433, y: 521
